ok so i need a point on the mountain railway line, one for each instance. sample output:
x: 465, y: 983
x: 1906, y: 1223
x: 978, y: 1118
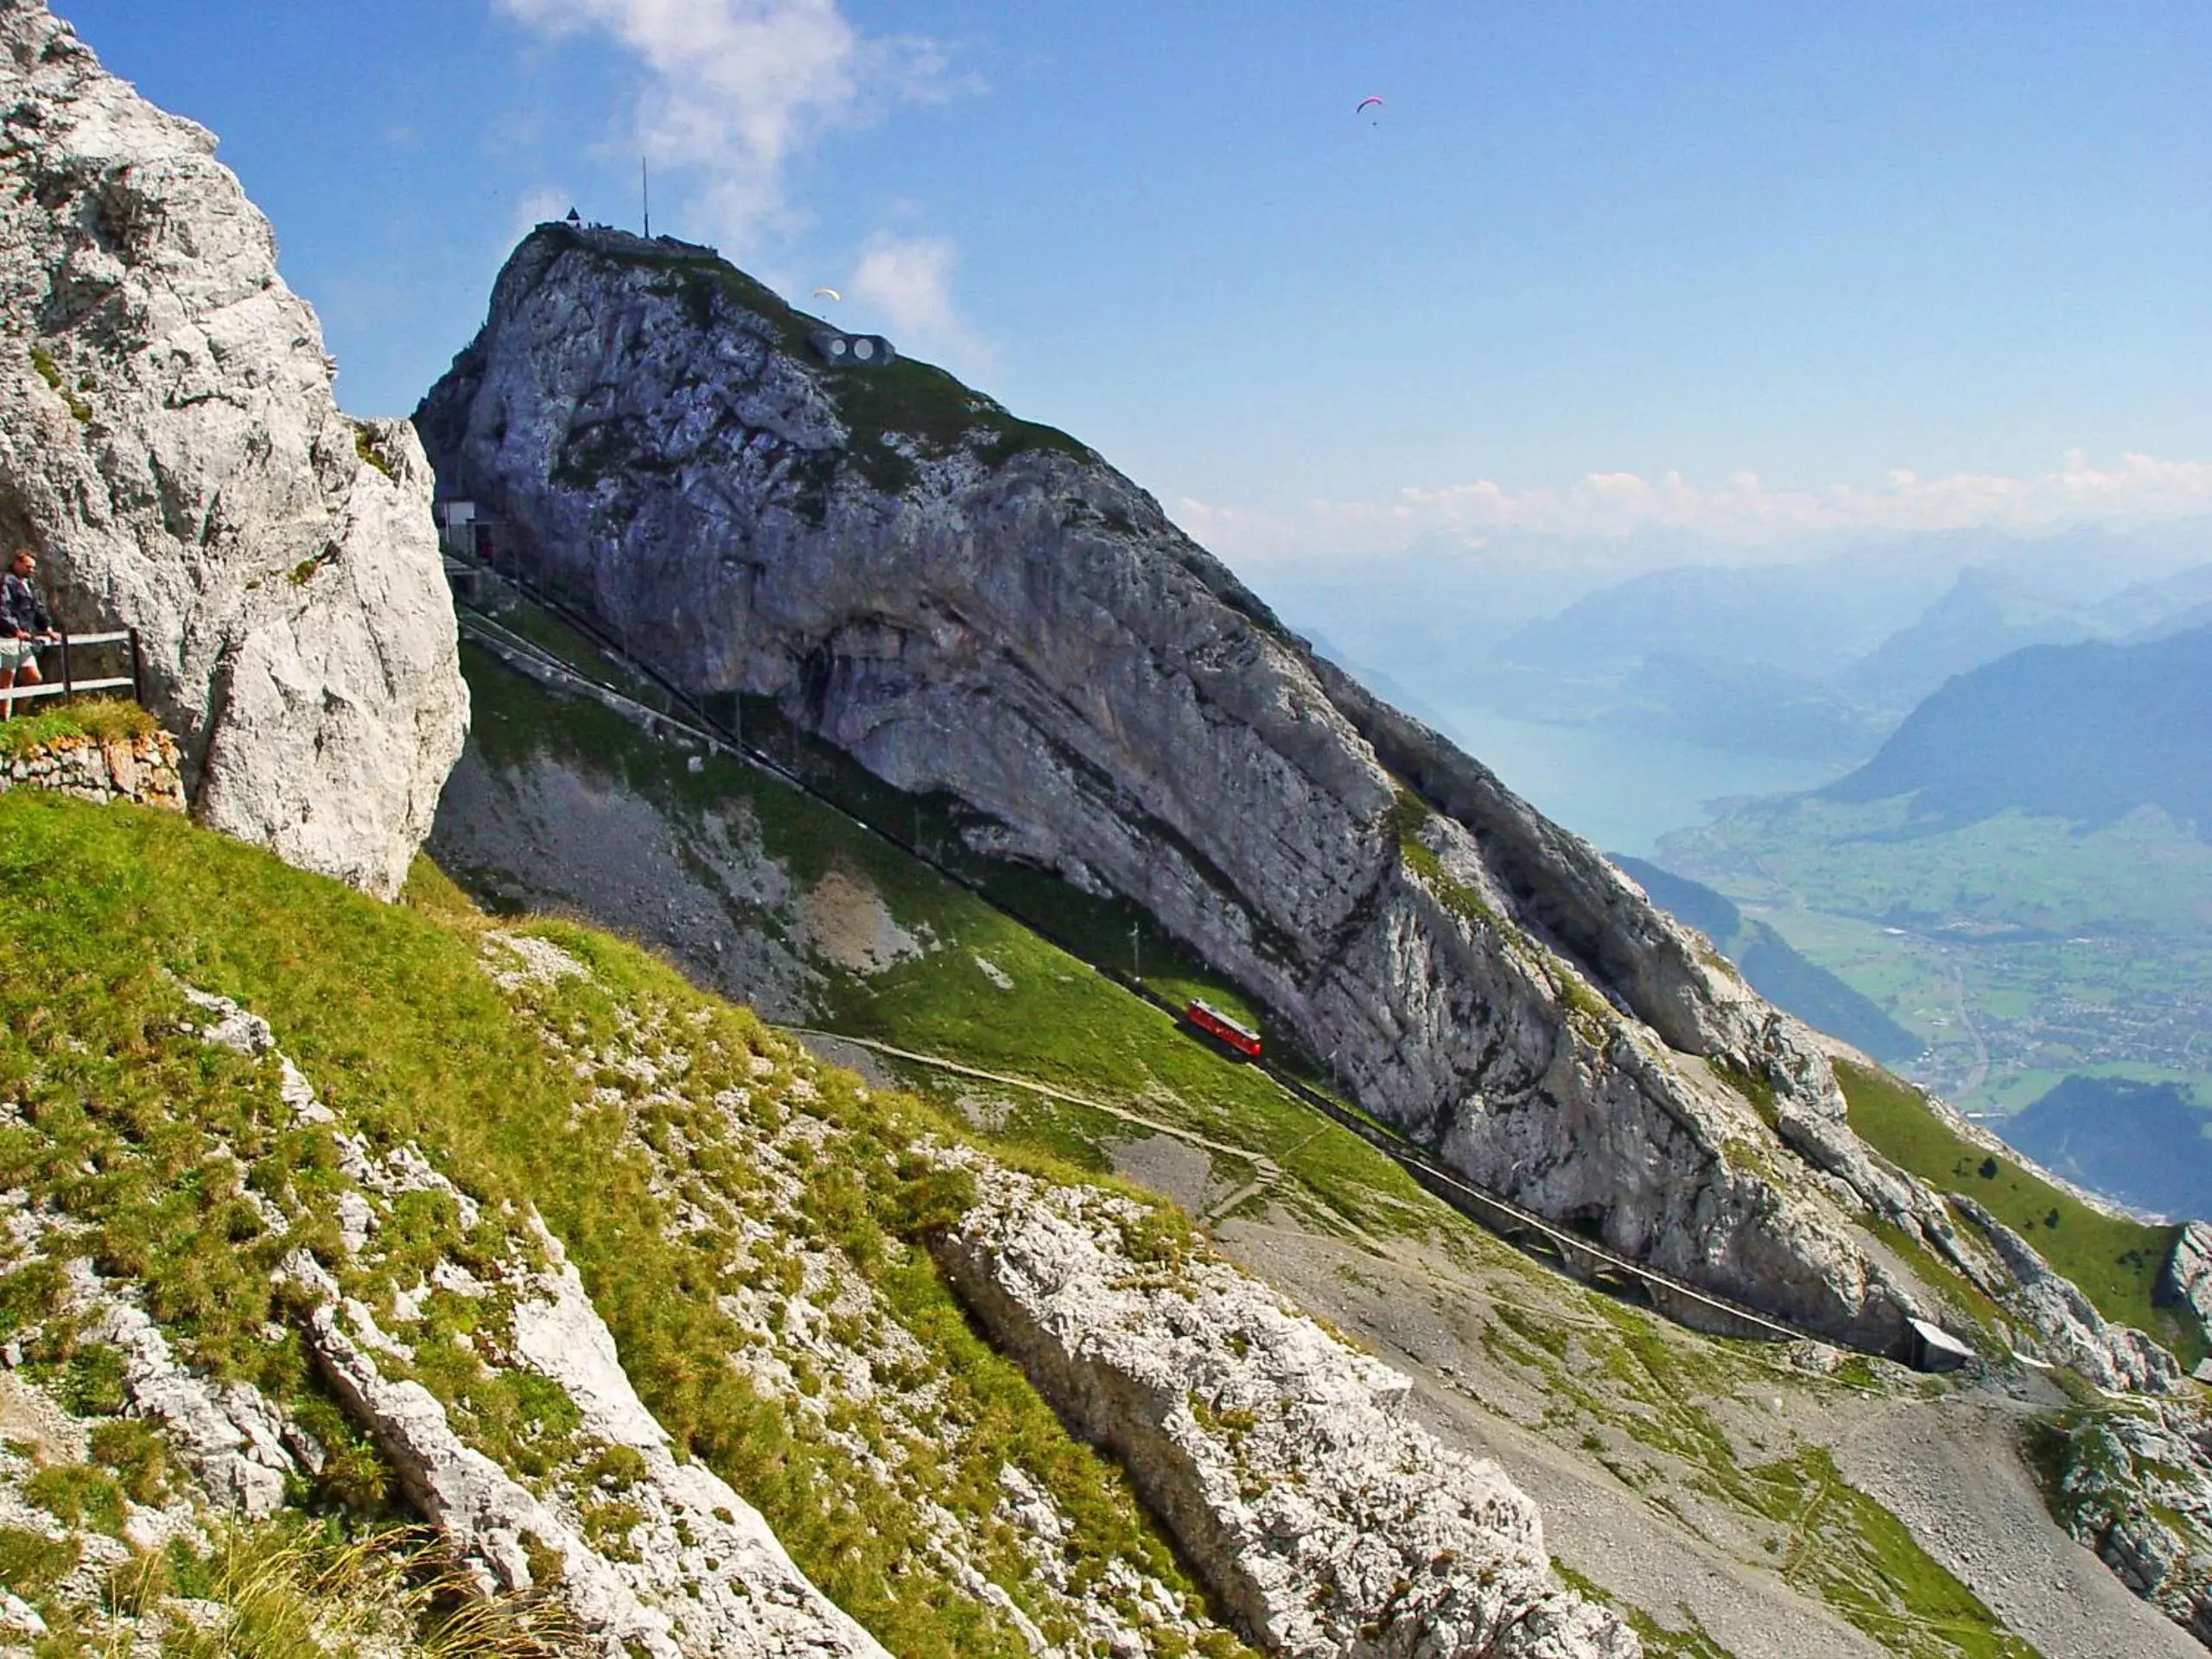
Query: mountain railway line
x: 1558, y: 1246
x: 1266, y: 1173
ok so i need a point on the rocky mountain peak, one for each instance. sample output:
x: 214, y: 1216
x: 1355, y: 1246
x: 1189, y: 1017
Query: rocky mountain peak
x: 978, y: 606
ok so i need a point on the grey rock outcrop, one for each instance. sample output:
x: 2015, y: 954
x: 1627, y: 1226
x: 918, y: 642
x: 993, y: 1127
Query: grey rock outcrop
x: 2073, y: 1332
x: 224, y: 1432
x: 2186, y: 1279
x: 1283, y: 1459
x: 694, y: 1573
x: 2135, y: 1486
x: 169, y: 439
x: 704, y: 1555
x: 974, y: 605
x: 488, y: 1517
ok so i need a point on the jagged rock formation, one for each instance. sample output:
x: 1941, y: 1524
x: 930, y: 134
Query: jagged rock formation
x: 2070, y: 1328
x: 690, y: 1571
x: 168, y: 441
x: 697, y: 1574
x: 227, y: 1435
x: 2186, y: 1279
x: 974, y: 605
x: 1283, y: 1459
x: 2135, y: 1486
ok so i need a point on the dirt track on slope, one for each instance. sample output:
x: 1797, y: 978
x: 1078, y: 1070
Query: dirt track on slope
x: 1949, y: 1469
x: 1424, y: 1315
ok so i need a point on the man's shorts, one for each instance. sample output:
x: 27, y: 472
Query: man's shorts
x: 16, y: 653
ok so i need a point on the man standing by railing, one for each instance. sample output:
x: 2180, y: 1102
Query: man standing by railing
x: 25, y: 624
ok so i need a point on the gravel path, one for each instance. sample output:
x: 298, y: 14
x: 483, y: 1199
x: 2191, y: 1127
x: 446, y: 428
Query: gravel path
x: 1424, y: 1315
x: 1949, y: 1470
x: 1607, y: 1532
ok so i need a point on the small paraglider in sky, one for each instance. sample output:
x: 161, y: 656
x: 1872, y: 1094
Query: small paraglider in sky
x: 1367, y: 104
x: 827, y: 294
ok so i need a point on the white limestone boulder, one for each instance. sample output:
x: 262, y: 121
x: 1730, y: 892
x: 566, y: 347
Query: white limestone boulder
x: 1283, y: 1460
x: 169, y: 443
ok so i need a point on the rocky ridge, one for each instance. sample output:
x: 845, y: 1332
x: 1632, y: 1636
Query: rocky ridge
x: 2135, y: 1486
x: 695, y: 1570
x: 978, y: 608
x: 1284, y: 1461
x: 2071, y: 1329
x: 2186, y: 1279
x: 169, y: 442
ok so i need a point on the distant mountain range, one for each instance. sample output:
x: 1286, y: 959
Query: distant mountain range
x: 1774, y: 969
x: 1781, y: 661
x: 1818, y: 660
x: 1812, y: 619
x: 2085, y: 732
x: 2022, y: 873
x: 1982, y: 617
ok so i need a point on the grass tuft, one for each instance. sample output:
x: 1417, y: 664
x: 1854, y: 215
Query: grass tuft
x: 366, y: 447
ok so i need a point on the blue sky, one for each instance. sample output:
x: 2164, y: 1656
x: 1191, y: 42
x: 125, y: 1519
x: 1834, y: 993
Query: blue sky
x: 1750, y: 271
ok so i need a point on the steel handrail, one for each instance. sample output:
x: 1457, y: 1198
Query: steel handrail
x: 69, y: 685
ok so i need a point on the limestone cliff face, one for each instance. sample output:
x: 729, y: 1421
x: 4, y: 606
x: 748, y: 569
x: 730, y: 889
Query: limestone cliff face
x: 971, y: 603
x: 169, y: 441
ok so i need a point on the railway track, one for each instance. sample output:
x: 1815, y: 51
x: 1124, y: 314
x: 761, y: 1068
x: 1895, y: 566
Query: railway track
x: 1560, y: 1247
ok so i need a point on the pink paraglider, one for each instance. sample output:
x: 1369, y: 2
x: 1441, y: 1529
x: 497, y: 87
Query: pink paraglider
x: 1367, y: 104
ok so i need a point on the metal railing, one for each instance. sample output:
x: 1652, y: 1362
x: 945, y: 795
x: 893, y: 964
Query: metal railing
x: 69, y: 685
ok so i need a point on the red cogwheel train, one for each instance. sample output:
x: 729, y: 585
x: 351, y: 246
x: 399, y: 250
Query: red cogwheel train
x: 1223, y: 1029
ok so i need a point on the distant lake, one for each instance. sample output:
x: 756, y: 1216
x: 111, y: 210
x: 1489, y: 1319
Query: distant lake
x: 1618, y: 789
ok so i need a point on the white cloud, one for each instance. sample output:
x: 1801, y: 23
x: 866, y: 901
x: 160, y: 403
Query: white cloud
x: 1741, y: 512
x: 909, y: 279
x: 739, y: 88
x: 535, y: 207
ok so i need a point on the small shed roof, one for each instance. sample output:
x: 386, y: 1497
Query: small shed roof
x: 1937, y: 1338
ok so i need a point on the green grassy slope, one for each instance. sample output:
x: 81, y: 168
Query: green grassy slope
x: 2114, y: 1261
x: 1061, y: 1023
x: 146, y: 1135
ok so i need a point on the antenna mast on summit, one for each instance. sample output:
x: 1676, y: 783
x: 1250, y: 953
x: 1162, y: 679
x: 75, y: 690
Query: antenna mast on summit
x: 645, y: 195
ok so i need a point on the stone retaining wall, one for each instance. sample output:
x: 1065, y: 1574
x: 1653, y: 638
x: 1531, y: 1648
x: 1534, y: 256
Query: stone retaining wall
x: 140, y: 769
